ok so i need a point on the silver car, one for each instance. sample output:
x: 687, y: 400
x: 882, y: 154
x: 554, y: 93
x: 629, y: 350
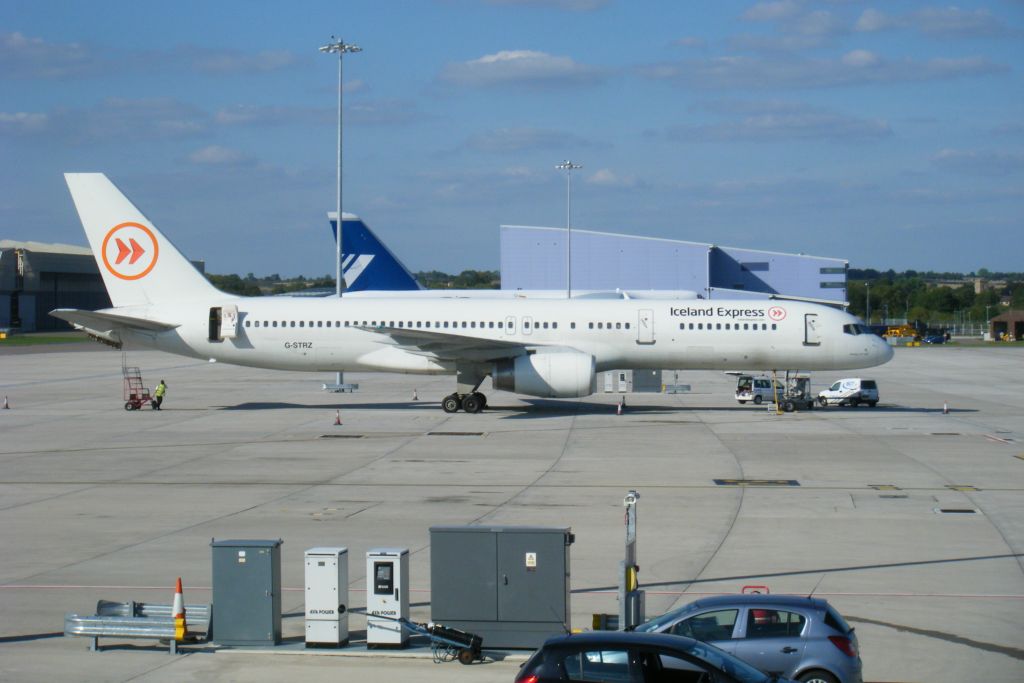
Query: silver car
x: 797, y: 637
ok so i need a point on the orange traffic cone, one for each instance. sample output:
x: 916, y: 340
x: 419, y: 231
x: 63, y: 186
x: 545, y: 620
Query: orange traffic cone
x: 337, y: 418
x: 178, y: 612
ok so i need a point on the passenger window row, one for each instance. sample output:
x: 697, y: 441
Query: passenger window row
x: 420, y: 324
x: 727, y: 326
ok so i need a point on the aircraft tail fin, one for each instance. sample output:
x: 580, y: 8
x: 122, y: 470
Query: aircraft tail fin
x: 367, y: 264
x: 138, y: 263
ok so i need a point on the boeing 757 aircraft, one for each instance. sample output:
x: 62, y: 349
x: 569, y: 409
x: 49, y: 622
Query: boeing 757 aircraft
x: 539, y: 347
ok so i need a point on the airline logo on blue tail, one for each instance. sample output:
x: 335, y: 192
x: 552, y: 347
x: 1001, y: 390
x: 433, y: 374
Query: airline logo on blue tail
x: 368, y: 265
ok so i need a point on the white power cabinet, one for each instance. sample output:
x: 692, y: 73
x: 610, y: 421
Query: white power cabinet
x: 387, y: 597
x: 327, y: 596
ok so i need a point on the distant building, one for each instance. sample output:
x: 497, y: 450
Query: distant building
x: 534, y: 258
x: 36, y: 278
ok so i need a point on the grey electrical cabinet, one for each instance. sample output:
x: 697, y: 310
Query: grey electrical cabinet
x: 246, y: 592
x: 509, y: 585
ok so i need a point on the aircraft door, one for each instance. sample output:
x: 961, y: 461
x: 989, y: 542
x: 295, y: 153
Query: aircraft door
x: 214, y: 327
x: 812, y: 336
x: 510, y: 325
x: 229, y: 322
x: 645, y: 326
x: 527, y: 324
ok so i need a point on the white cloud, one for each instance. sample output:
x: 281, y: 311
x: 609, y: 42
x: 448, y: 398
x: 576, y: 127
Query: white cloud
x: 980, y: 162
x: 504, y: 140
x: 22, y: 56
x: 690, y: 41
x: 771, y: 10
x: 780, y: 121
x: 606, y: 177
x: 948, y: 21
x: 872, y: 20
x: 521, y: 68
x: 19, y: 124
x: 114, y: 119
x: 256, y: 115
x: 861, y: 58
x: 567, y: 5
x: 234, y: 61
x: 216, y: 155
x: 791, y: 71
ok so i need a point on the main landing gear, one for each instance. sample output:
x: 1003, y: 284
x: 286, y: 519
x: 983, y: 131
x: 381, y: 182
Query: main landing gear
x: 473, y: 402
x: 469, y: 377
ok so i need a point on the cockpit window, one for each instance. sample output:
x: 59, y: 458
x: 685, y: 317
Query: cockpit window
x: 856, y: 328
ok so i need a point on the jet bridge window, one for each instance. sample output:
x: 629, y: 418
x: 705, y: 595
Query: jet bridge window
x: 774, y: 326
x: 572, y: 326
x: 591, y: 325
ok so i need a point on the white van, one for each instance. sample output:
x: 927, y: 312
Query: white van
x: 756, y: 389
x: 850, y: 392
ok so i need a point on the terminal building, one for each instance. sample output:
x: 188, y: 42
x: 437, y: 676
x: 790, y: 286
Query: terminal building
x: 535, y: 258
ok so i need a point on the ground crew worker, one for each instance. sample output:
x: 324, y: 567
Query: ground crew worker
x: 158, y: 395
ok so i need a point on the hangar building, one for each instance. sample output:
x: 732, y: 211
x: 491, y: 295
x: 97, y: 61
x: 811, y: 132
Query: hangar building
x: 36, y: 278
x: 534, y: 258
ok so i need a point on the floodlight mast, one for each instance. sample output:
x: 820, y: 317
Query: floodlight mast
x: 568, y: 167
x: 339, y: 46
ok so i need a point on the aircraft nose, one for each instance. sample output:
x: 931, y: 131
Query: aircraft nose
x: 883, y: 351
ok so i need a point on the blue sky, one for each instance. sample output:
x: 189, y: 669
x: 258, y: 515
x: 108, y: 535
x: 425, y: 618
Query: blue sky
x: 887, y: 133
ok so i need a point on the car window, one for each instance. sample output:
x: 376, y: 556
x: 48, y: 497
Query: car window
x: 868, y: 384
x: 707, y: 626
x: 835, y: 387
x: 770, y: 623
x: 600, y: 666
x: 726, y: 663
x: 836, y: 621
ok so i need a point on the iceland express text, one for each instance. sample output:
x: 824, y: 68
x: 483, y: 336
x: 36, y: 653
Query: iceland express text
x: 717, y: 311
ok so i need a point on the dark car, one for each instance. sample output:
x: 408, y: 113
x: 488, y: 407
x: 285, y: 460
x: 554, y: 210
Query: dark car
x: 935, y: 339
x: 630, y: 657
x: 803, y: 638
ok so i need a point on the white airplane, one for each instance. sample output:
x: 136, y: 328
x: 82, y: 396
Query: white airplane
x: 539, y: 347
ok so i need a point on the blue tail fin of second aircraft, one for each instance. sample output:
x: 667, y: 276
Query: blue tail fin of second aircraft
x: 367, y: 264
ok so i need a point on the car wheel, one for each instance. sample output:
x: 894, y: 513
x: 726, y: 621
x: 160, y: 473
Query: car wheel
x: 817, y: 677
x: 822, y: 401
x: 872, y: 404
x: 757, y: 400
x: 741, y: 402
x: 788, y: 406
x: 854, y: 402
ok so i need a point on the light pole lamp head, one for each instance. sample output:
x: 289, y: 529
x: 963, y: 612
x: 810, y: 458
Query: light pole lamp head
x: 568, y: 166
x: 340, y: 46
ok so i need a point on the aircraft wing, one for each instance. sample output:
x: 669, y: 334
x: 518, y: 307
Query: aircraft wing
x: 107, y: 322
x: 446, y: 346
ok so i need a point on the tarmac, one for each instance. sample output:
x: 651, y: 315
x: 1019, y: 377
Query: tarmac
x: 100, y: 503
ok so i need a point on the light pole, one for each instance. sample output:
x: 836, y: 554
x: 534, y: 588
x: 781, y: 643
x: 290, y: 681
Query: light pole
x: 339, y: 46
x: 867, y: 302
x: 568, y: 167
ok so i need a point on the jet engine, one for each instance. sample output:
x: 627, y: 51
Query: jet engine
x: 548, y: 374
